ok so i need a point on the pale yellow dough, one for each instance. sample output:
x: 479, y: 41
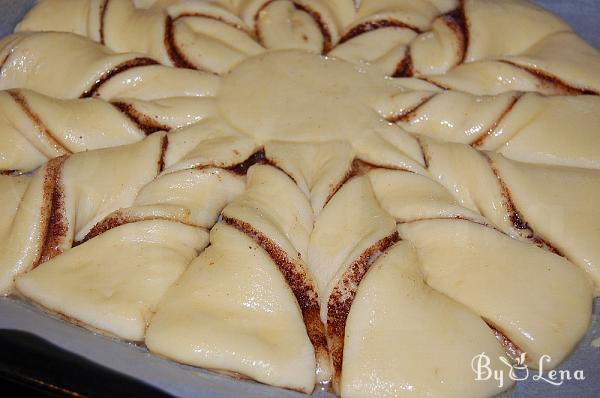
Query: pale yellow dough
x: 232, y: 310
x: 404, y: 339
x: 114, y: 281
x: 390, y: 187
x: 493, y: 274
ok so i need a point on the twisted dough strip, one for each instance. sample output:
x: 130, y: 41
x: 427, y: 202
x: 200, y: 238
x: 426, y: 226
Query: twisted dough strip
x: 454, y: 44
x: 467, y: 240
x: 232, y: 311
x: 518, y: 197
x: 396, y: 315
x: 36, y: 128
x: 89, y: 69
x: 56, y: 208
x: 265, y: 229
x: 481, y: 46
x: 560, y: 130
x: 113, y: 283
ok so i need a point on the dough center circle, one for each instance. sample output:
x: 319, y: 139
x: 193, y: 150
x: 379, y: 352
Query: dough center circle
x: 298, y: 96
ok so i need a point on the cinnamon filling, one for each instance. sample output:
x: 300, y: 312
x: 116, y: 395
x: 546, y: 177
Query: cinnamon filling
x: 53, y: 212
x: 122, y: 67
x: 426, y: 156
x: 517, y: 220
x: 481, y: 139
x: 340, y: 300
x: 548, y: 79
x: 405, y: 67
x: 511, y: 348
x: 144, y: 122
x: 103, y: 9
x: 370, y: 26
x: 37, y: 122
x: 177, y: 57
x: 358, y: 168
x: 327, y: 40
x: 299, y: 281
x: 258, y: 157
x: 164, y: 145
x: 119, y: 218
x: 457, y: 21
x: 408, y: 114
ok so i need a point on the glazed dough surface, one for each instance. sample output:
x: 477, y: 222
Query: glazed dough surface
x: 114, y: 282
x: 389, y: 187
x: 394, y: 307
x: 232, y: 310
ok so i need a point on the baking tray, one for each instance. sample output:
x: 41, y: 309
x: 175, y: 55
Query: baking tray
x: 142, y: 374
